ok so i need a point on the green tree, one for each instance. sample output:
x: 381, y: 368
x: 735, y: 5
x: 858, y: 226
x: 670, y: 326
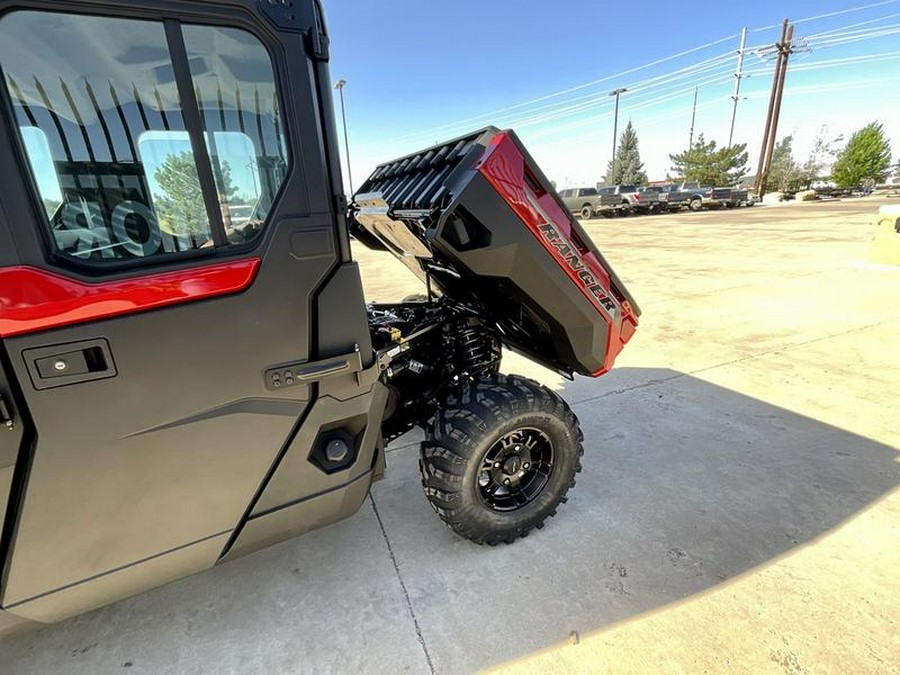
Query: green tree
x: 784, y: 172
x: 225, y: 184
x: 627, y: 169
x: 181, y: 209
x: 709, y: 165
x: 867, y: 156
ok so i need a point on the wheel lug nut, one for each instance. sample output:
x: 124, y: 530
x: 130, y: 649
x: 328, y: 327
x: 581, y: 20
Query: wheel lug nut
x: 506, y: 482
x: 496, y: 465
x: 526, y: 465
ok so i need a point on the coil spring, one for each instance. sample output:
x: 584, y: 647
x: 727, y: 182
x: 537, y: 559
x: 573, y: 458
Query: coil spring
x: 475, y: 349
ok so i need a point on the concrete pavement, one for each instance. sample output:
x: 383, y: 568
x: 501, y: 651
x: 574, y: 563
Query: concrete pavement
x: 738, y: 511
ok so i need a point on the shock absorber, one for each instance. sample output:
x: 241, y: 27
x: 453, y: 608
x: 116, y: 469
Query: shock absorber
x: 476, y: 348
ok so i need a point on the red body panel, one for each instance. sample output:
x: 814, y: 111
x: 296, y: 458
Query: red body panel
x: 504, y: 167
x: 33, y: 300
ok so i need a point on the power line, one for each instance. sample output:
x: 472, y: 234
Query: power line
x: 641, y: 88
x: 803, y: 67
x: 795, y: 91
x: 587, y: 101
x: 842, y: 40
x: 854, y: 25
x: 591, y: 83
x: 574, y: 105
x: 831, y: 14
x: 601, y: 98
x: 830, y: 63
x: 684, y: 90
x: 841, y: 34
x: 652, y: 102
x: 529, y: 114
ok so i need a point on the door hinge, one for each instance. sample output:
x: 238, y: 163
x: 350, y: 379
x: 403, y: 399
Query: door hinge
x: 6, y: 418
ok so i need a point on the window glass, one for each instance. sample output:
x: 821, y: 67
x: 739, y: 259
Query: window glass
x: 238, y: 100
x: 86, y: 102
x: 40, y: 158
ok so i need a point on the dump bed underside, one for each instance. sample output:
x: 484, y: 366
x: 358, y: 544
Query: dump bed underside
x: 477, y: 219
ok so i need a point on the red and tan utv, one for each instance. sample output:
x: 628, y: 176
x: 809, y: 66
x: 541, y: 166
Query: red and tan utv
x: 188, y: 368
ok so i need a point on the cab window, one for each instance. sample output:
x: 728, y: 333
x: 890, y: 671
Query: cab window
x: 238, y: 102
x: 104, y: 130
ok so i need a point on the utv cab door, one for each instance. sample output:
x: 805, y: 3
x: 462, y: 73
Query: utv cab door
x: 183, y: 331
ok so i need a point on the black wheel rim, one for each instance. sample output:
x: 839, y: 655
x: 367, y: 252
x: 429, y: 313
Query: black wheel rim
x: 515, y: 469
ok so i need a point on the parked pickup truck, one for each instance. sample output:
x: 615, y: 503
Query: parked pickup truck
x: 587, y: 202
x: 631, y: 198
x: 694, y: 196
x: 741, y: 197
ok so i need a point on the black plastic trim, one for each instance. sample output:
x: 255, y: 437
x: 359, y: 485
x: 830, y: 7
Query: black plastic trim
x: 194, y: 125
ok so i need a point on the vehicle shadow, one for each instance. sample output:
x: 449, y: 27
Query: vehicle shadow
x: 685, y: 485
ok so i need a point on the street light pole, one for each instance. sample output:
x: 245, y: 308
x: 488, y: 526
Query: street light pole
x: 616, y: 93
x: 693, y: 118
x: 340, y: 87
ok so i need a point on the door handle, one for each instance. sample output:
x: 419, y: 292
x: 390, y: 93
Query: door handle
x: 70, y: 363
x: 303, y: 373
x: 320, y: 371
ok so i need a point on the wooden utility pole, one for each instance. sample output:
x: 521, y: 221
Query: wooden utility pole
x: 786, y: 49
x: 737, y: 84
x: 765, y: 159
x: 765, y: 143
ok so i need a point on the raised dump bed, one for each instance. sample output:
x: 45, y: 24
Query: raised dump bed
x: 478, y: 221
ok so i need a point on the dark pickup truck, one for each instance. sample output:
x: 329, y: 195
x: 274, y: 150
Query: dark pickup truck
x: 693, y: 196
x: 741, y: 197
x: 631, y: 198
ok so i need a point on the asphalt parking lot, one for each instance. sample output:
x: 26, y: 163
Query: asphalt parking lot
x: 738, y: 511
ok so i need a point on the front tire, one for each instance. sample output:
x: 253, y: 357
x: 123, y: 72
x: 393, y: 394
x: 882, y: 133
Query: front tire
x: 695, y: 205
x: 587, y: 212
x: 499, y: 457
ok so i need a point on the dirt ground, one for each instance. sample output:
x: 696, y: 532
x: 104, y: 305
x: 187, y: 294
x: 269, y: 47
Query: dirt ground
x: 738, y: 511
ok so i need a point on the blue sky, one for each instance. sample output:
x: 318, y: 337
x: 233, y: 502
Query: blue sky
x: 421, y: 72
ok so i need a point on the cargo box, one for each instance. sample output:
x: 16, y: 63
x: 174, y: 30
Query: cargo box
x: 478, y: 221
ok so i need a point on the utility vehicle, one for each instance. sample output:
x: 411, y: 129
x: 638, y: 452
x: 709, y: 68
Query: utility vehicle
x: 183, y: 382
